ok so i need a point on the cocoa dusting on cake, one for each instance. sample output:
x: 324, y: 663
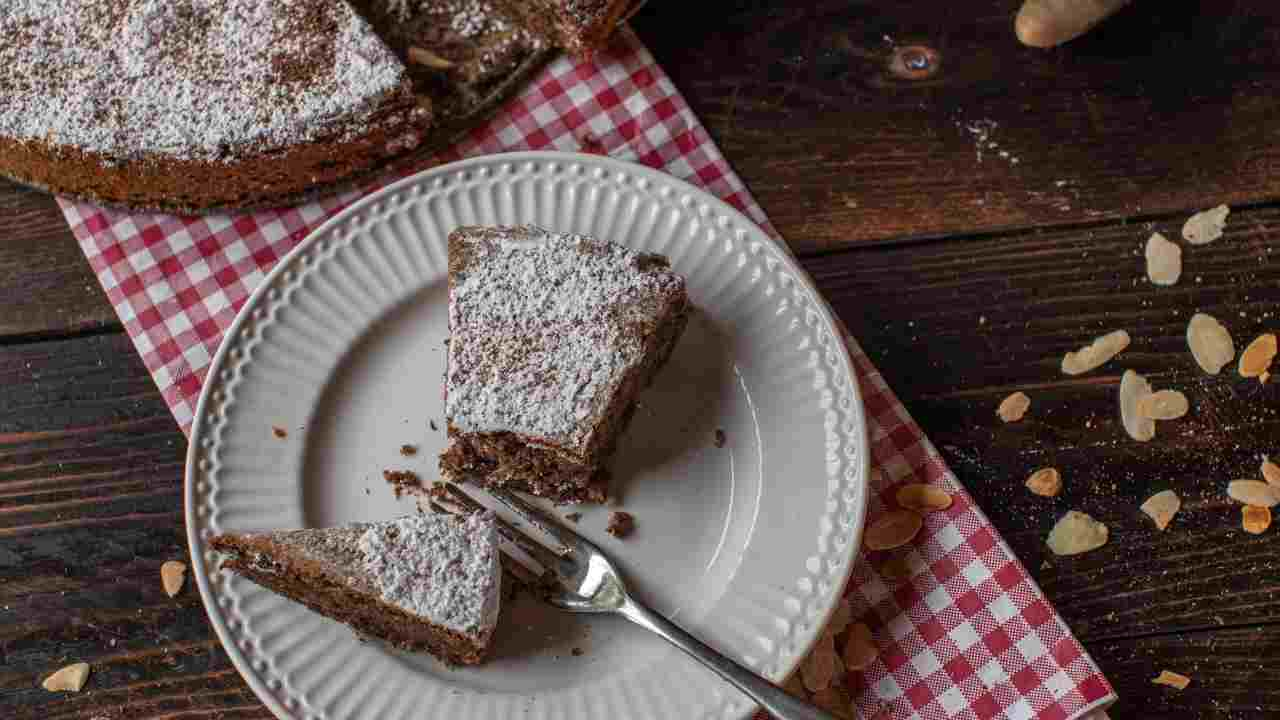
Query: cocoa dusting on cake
x: 402, y: 481
x: 621, y: 524
x: 720, y: 438
x: 553, y: 338
x: 195, y: 102
x: 420, y: 582
x: 408, y: 450
x: 279, y: 432
x: 579, y: 26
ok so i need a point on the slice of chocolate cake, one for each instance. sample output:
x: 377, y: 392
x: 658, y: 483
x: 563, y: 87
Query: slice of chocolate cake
x: 552, y: 338
x: 425, y: 582
x: 579, y: 26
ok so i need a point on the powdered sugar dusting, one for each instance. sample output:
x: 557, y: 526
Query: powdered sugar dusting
x: 191, y: 79
x: 543, y: 330
x: 438, y: 567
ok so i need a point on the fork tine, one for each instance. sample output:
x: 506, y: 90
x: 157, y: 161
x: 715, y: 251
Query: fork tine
x: 512, y: 565
x: 539, y: 519
x: 546, y: 557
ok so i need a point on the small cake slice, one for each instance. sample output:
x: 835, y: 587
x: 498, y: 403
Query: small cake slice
x: 579, y: 26
x: 424, y: 582
x: 552, y: 338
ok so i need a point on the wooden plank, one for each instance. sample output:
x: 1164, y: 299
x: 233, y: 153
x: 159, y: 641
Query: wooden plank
x: 46, y: 286
x: 1233, y: 674
x: 1166, y: 107
x: 955, y: 326
x: 90, y: 506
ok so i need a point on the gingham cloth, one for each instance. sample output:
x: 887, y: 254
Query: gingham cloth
x: 969, y: 635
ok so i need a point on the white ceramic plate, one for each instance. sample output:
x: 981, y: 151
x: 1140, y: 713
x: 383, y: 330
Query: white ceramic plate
x: 747, y: 545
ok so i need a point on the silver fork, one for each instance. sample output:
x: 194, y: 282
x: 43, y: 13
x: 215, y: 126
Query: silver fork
x: 580, y: 578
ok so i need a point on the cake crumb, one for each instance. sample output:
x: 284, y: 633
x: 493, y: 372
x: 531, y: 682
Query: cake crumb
x: 621, y: 524
x: 408, y: 450
x: 719, y: 442
x: 279, y: 432
x: 576, y: 652
x: 432, y: 423
x: 573, y: 517
x: 402, y: 481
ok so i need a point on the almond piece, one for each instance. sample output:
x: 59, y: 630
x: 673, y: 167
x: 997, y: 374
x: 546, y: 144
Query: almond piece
x: 835, y: 701
x: 172, y: 575
x: 1014, y: 407
x: 1077, y: 533
x: 1210, y: 343
x: 1258, y: 356
x: 1164, y: 260
x: 840, y: 618
x: 1271, y: 473
x: 1095, y: 354
x: 70, y: 678
x: 860, y: 648
x: 1163, y: 405
x: 1254, y: 492
x: 819, y: 668
x: 795, y: 687
x: 1255, y: 520
x: 893, y: 530
x: 426, y: 58
x: 1046, y: 482
x: 923, y: 497
x: 1161, y: 507
x: 1134, y: 387
x: 897, y: 568
x: 1172, y: 679
x: 1205, y: 227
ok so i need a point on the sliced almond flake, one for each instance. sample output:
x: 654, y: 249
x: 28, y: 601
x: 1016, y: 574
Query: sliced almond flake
x: 1014, y: 407
x: 1254, y: 492
x: 172, y: 575
x: 1207, y: 226
x: 1164, y: 260
x: 919, y: 496
x: 1210, y: 343
x: 840, y: 618
x: 424, y: 57
x: 1134, y: 387
x: 1271, y: 473
x: 1172, y: 679
x: 893, y: 530
x: 897, y: 568
x: 819, y: 667
x: 1255, y: 520
x: 1258, y: 356
x: 69, y: 679
x: 1163, y: 405
x: 835, y: 701
x: 795, y: 687
x: 860, y: 648
x: 1046, y: 482
x: 1077, y: 533
x: 1095, y: 354
x: 1161, y: 507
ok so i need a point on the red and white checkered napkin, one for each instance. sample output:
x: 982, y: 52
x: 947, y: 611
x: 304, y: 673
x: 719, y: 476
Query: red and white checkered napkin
x: 969, y: 635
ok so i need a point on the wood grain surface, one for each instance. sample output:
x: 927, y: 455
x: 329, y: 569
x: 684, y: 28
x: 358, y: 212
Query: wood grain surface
x: 1164, y: 107
x: 964, y: 274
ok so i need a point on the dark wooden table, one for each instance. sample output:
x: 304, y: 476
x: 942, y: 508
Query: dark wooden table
x: 970, y: 226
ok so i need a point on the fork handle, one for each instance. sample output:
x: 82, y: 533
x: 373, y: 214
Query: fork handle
x: 770, y: 697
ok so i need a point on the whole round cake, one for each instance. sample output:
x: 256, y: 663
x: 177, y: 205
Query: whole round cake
x: 201, y: 105
x: 190, y: 104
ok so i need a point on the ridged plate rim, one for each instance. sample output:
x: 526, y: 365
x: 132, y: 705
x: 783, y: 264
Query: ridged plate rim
x: 837, y: 559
